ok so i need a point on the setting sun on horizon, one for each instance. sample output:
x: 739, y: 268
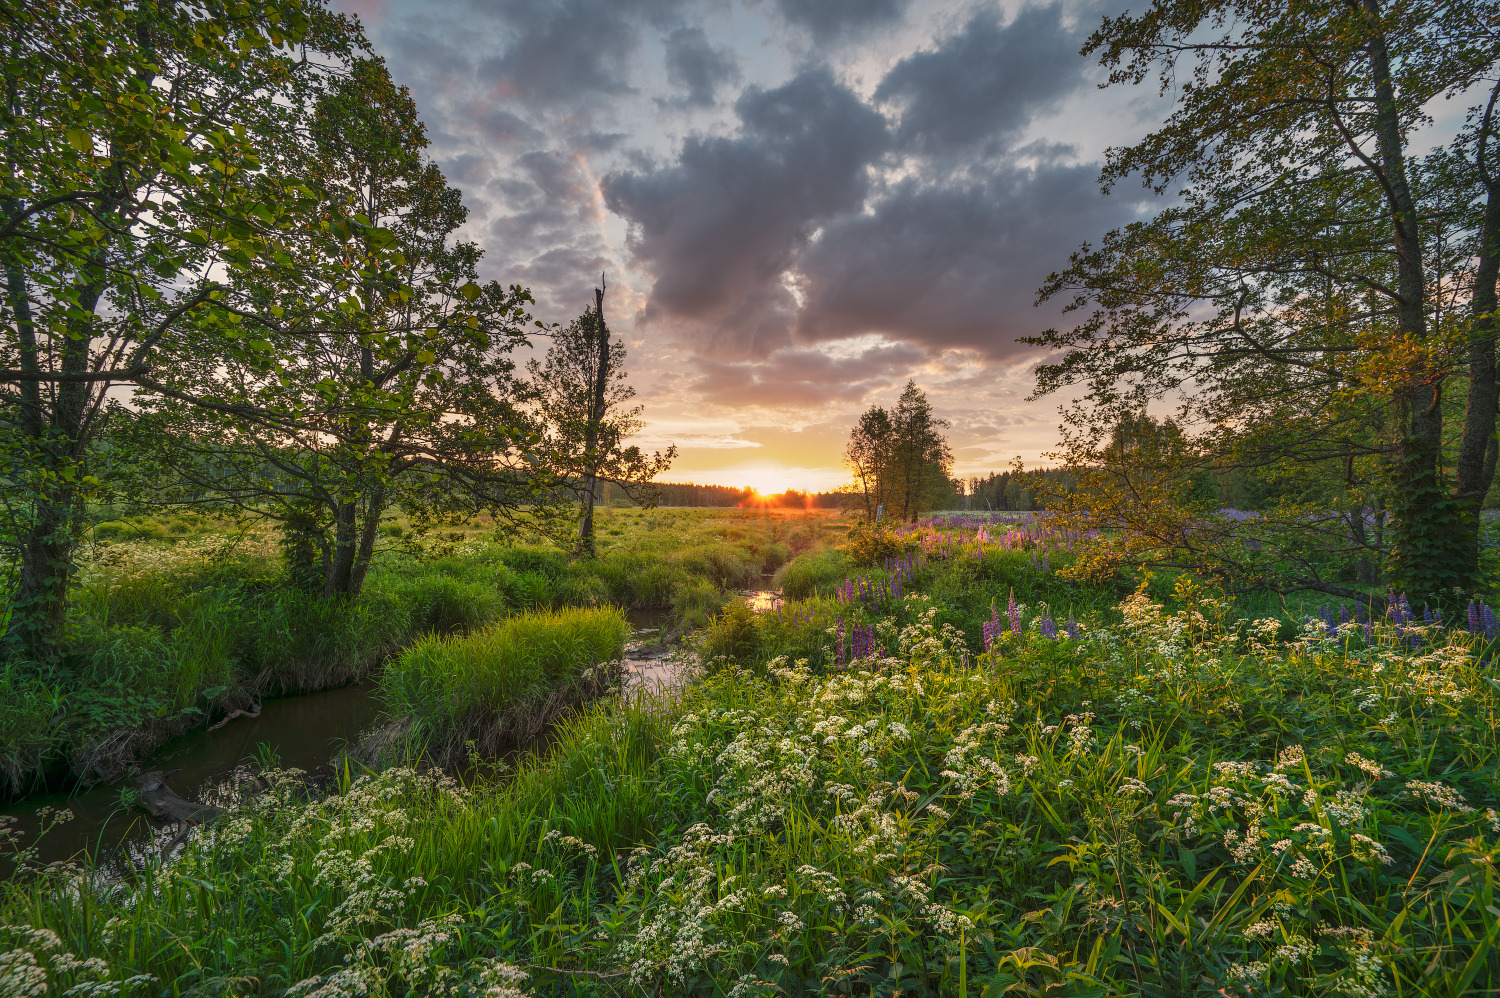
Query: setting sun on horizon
x: 766, y: 479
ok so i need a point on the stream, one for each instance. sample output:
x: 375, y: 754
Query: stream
x: 300, y: 732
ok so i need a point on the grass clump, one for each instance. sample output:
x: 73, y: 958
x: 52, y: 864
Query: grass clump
x: 812, y: 573
x: 499, y: 686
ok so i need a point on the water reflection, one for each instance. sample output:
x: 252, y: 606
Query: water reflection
x: 302, y: 732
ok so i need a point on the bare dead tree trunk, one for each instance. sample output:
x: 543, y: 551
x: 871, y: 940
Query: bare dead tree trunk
x: 591, y: 437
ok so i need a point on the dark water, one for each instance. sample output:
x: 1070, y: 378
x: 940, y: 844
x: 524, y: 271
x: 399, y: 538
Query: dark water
x: 302, y: 732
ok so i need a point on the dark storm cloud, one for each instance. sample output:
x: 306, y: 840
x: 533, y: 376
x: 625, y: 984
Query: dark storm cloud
x: 801, y: 376
x: 954, y: 266
x: 830, y: 20
x: 561, y: 51
x: 503, y: 127
x: 719, y: 228
x: 984, y: 85
x: 697, y: 68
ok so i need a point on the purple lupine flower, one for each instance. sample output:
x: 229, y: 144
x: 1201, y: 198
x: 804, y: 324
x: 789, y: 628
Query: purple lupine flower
x: 1487, y: 621
x: 1014, y: 613
x: 1048, y: 627
x: 1071, y: 626
x: 1473, y: 618
x: 838, y: 657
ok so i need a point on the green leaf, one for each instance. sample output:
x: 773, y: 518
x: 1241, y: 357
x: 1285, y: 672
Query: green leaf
x: 79, y: 139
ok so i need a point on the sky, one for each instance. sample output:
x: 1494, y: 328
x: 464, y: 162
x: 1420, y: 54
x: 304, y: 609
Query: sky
x: 798, y: 204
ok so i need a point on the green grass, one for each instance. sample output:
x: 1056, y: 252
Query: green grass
x: 180, y: 618
x: 495, y: 686
x: 1165, y: 807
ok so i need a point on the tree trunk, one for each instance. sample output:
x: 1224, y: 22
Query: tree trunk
x: 1423, y: 553
x: 40, y: 603
x: 341, y: 568
x: 591, y: 440
x: 374, y: 507
x: 1474, y: 468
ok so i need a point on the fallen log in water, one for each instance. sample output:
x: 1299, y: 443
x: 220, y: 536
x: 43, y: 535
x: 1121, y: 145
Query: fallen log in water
x: 161, y: 801
x: 252, y: 714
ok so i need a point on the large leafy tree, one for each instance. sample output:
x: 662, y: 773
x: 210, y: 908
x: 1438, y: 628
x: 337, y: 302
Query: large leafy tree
x: 580, y: 394
x: 393, y: 381
x: 1315, y: 294
x: 132, y: 194
x: 900, y: 458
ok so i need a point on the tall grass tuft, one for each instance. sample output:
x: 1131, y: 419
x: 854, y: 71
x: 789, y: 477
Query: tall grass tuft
x: 499, y: 686
x: 808, y: 574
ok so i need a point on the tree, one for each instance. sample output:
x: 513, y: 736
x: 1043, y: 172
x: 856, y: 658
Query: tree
x: 921, y: 463
x: 868, y: 456
x: 900, y: 460
x: 578, y: 393
x: 404, y: 394
x: 132, y: 192
x: 1313, y: 288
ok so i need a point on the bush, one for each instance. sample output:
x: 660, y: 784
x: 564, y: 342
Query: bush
x: 580, y: 589
x: 733, y: 634
x: 868, y: 544
x: 304, y: 641
x: 489, y: 687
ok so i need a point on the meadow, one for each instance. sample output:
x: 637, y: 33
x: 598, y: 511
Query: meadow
x: 949, y: 770
x: 179, y: 620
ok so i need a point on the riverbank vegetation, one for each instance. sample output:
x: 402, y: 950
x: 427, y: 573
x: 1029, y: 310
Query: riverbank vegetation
x: 450, y: 698
x: 1174, y: 802
x: 179, y: 620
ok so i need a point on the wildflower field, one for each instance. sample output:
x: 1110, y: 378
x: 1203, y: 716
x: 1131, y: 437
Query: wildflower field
x: 1042, y: 795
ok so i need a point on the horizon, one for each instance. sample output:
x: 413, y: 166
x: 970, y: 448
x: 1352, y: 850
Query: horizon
x: 798, y: 206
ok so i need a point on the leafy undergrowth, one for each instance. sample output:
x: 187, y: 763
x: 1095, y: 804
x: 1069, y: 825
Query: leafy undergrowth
x: 1158, y: 808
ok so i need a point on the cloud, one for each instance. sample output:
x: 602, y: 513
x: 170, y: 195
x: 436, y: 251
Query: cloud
x: 985, y: 84
x: 697, y: 68
x: 805, y: 376
x: 720, y: 227
x: 833, y: 20
x: 954, y: 265
x: 566, y: 51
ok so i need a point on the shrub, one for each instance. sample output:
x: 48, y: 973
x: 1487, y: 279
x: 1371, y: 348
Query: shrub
x: 580, y: 589
x: 868, y: 544
x: 303, y: 641
x: 774, y: 556
x: 734, y: 634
